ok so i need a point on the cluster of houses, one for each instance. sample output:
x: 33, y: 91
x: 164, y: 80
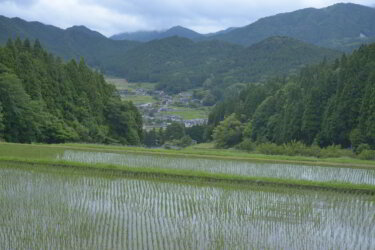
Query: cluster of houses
x: 154, y: 114
x: 194, y: 122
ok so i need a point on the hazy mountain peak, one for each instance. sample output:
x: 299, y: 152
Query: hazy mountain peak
x: 146, y: 36
x: 336, y: 26
x: 178, y: 27
x: 83, y: 30
x: 79, y: 27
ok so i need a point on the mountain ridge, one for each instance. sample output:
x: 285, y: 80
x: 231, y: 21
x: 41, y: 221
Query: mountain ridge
x: 146, y: 36
x: 179, y: 64
x: 335, y: 26
x: 130, y: 59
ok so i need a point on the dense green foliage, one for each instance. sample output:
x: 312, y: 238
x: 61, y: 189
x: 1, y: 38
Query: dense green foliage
x: 44, y: 100
x: 197, y: 133
x: 179, y: 64
x: 340, y: 26
x: 174, y: 131
x: 229, y: 132
x: 174, y: 135
x: 325, y: 104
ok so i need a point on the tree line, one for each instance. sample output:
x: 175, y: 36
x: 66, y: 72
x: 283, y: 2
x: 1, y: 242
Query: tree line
x: 326, y: 104
x: 43, y: 99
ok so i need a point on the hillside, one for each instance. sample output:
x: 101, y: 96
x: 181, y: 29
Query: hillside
x: 74, y: 42
x: 146, y: 36
x: 45, y: 100
x: 277, y: 56
x: 340, y: 26
x: 175, y: 63
x: 326, y: 104
x: 179, y: 64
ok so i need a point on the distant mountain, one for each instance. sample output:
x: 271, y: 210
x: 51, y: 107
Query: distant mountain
x: 276, y: 56
x: 71, y: 43
x: 141, y: 36
x: 179, y: 64
x: 146, y: 36
x: 341, y: 26
x: 175, y: 63
x: 220, y: 32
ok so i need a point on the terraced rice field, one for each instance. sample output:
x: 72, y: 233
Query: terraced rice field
x: 52, y: 208
x: 241, y: 168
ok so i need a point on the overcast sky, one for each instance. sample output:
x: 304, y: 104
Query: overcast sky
x: 115, y: 16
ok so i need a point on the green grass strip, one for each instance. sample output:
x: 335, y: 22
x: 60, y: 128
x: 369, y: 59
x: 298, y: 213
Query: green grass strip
x: 201, y: 176
x: 51, y: 150
x: 228, y: 155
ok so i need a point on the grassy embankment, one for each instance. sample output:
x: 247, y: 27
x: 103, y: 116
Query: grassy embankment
x: 207, y: 151
x: 39, y: 154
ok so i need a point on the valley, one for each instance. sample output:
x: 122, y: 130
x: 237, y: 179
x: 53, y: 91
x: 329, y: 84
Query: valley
x: 158, y: 108
x: 143, y: 136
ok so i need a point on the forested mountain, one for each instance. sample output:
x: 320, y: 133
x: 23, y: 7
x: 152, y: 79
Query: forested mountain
x: 71, y: 43
x: 146, y: 36
x: 340, y: 26
x: 45, y: 100
x: 179, y: 64
x: 325, y: 104
x: 174, y: 62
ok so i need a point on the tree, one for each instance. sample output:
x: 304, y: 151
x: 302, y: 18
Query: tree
x: 248, y: 130
x: 228, y: 133
x: 196, y: 133
x: 18, y: 120
x: 122, y: 122
x: 151, y: 138
x: 1, y: 122
x: 44, y: 100
x: 174, y: 131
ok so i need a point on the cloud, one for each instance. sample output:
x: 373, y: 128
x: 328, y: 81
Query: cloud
x: 20, y: 2
x: 114, y: 16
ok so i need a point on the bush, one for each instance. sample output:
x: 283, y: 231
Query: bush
x: 362, y: 147
x: 298, y: 148
x: 367, y: 155
x: 292, y: 148
x: 246, y: 145
x: 270, y: 149
x: 184, y: 141
x: 228, y: 133
x: 335, y: 151
x: 179, y: 143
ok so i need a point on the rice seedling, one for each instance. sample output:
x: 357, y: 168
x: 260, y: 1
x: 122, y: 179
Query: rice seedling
x: 45, y: 209
x: 241, y: 168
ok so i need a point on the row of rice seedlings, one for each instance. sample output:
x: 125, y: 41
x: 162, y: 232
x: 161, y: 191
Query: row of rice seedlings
x: 42, y: 210
x: 282, y: 171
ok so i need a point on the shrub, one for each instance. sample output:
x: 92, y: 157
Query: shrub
x: 367, y: 154
x: 228, y: 133
x: 184, y: 141
x: 298, y: 148
x: 246, y: 145
x: 335, y: 151
x: 362, y: 147
x: 270, y: 149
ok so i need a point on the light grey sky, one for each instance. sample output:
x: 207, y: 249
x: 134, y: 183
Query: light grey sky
x: 115, y: 16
